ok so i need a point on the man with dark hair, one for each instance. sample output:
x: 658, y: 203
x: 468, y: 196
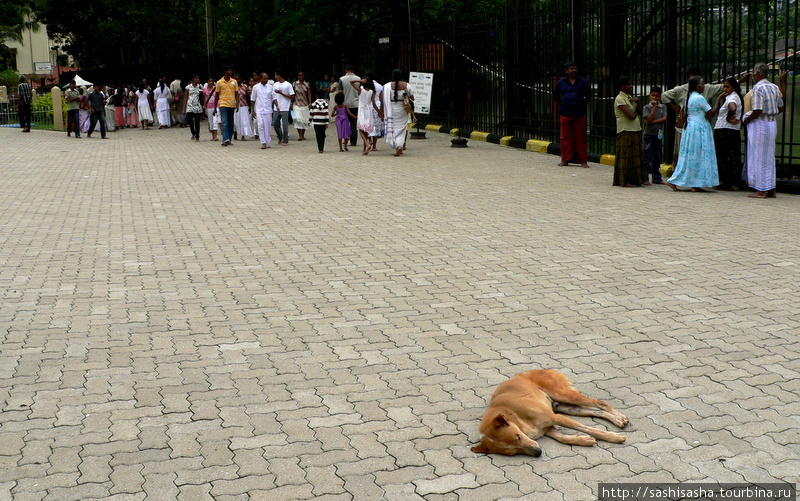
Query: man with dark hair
x: 284, y: 96
x: 226, y: 90
x: 572, y: 93
x: 97, y: 108
x: 350, y: 99
x: 263, y: 98
x: 24, y: 103
x: 73, y: 98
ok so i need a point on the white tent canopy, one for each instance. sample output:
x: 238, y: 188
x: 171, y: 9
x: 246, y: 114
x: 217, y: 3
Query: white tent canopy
x: 80, y: 82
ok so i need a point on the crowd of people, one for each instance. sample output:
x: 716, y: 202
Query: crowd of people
x: 705, y: 154
x: 235, y: 109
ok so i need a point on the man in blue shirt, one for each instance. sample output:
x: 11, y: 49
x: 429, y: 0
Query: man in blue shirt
x: 572, y: 93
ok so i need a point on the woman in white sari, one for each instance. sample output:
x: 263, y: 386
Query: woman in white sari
x: 162, y: 95
x: 396, y: 115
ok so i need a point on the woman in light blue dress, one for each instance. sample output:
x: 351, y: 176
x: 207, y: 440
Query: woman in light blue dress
x: 697, y: 160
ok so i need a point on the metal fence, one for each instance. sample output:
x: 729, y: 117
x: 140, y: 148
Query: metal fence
x: 498, y: 76
x: 41, y: 112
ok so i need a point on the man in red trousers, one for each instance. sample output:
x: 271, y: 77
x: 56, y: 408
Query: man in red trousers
x: 572, y: 93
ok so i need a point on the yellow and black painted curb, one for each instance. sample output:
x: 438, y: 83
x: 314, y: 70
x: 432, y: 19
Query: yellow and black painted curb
x: 788, y: 186
x: 514, y: 142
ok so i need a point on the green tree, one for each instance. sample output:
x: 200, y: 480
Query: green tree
x: 170, y: 35
x: 15, y: 17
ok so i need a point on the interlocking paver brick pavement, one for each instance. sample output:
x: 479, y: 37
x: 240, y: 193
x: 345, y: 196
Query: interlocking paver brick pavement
x: 183, y: 321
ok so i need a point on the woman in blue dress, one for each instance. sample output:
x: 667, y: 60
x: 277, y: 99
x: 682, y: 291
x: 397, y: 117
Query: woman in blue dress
x: 697, y: 161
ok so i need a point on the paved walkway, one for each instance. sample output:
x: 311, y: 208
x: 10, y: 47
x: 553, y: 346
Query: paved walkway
x: 183, y: 321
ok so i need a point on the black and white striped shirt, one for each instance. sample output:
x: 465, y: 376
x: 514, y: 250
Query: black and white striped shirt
x: 25, y: 93
x: 319, y: 112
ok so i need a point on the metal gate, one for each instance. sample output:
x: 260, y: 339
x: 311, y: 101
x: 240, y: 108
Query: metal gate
x: 497, y: 76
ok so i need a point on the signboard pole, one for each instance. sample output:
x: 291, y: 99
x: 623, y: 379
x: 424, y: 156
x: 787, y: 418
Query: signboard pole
x: 422, y: 85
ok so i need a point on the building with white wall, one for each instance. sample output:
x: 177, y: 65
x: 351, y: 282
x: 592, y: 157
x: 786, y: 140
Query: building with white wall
x: 37, y: 55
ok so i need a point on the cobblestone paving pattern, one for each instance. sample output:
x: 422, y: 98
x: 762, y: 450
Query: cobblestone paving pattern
x: 185, y: 321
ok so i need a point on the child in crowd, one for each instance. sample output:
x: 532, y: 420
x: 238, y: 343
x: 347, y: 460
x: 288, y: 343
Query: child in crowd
x: 320, y: 118
x: 654, y: 114
x: 343, y: 115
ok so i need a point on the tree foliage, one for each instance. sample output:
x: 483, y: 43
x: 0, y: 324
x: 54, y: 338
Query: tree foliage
x: 123, y: 37
x: 15, y: 16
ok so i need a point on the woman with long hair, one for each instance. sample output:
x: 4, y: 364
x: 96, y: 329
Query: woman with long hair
x: 378, y: 114
x: 242, y: 124
x: 398, y: 99
x: 366, y: 104
x: 83, y: 114
x: 143, y: 105
x: 111, y: 111
x: 119, y: 107
x: 132, y: 117
x: 162, y: 95
x: 302, y: 100
x: 727, y: 135
x: 210, y: 97
x: 697, y: 162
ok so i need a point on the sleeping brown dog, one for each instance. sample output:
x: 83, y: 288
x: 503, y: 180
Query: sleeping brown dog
x: 524, y: 408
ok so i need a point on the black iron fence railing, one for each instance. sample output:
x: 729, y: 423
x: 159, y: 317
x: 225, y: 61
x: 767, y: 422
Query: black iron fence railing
x: 497, y: 77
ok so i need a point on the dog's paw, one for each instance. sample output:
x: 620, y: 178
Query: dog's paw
x: 616, y: 438
x: 620, y: 421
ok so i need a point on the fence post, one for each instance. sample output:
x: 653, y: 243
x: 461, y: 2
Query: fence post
x: 58, y: 113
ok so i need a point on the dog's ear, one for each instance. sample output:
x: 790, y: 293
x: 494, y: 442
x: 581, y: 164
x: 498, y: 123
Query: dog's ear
x: 480, y: 449
x: 500, y: 421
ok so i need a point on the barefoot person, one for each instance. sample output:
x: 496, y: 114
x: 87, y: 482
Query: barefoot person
x: 263, y: 97
x: 302, y: 100
x: 343, y: 116
x: 366, y: 104
x: 628, y: 165
x: 398, y: 100
x: 697, y: 160
x: 210, y: 96
x: 767, y: 102
x: 572, y: 93
x: 144, y: 105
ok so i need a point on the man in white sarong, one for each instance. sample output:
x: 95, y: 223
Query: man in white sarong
x: 766, y: 103
x: 263, y: 97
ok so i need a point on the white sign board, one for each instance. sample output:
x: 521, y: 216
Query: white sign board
x: 422, y: 85
x: 383, y: 40
x: 46, y: 68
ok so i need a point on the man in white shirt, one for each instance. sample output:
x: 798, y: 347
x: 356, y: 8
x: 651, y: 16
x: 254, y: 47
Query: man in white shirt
x: 263, y: 98
x: 284, y: 95
x: 350, y: 99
